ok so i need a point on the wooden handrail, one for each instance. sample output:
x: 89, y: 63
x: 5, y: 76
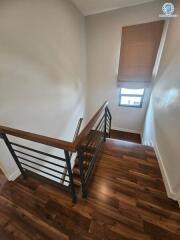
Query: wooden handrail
x: 69, y: 146
x: 37, y: 138
x: 89, y: 125
x: 78, y: 129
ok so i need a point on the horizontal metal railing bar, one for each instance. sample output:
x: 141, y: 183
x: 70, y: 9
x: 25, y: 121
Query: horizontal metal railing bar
x: 37, y: 151
x: 40, y: 159
x: 101, y: 124
x: 91, y: 165
x: 54, y: 170
x: 47, y: 180
x: 43, y: 171
x: 88, y: 156
x: 94, y: 144
x: 109, y: 113
x: 108, y: 123
x: 109, y: 117
x: 95, y: 138
x: 97, y: 133
x: 101, y: 127
x: 79, y: 140
x: 90, y: 149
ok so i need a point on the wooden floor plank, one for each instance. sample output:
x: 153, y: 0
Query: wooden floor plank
x: 126, y: 201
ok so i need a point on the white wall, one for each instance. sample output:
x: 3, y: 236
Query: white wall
x: 162, y: 128
x: 103, y: 43
x: 42, y: 69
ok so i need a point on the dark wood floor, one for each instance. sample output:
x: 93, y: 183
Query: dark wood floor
x: 127, y: 200
x: 126, y: 136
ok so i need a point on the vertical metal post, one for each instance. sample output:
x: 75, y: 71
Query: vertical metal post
x: 105, y: 124
x: 81, y: 168
x: 6, y: 140
x: 68, y: 163
x: 110, y: 123
x: 110, y: 129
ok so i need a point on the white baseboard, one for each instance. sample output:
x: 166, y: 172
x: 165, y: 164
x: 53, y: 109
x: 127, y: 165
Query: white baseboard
x: 147, y: 143
x: 170, y: 193
x: 14, y: 175
x: 125, y: 130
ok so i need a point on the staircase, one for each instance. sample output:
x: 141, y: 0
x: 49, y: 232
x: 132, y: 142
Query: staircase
x: 58, y: 168
x: 126, y: 200
x: 87, y: 156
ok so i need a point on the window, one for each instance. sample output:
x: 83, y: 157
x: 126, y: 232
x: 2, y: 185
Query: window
x: 139, y: 48
x: 130, y: 97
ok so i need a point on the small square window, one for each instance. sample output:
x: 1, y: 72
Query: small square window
x: 130, y: 97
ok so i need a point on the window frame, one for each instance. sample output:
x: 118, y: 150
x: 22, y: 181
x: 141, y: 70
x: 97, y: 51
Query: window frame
x: 131, y: 95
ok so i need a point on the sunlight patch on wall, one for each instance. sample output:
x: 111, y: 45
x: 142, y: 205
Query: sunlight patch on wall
x: 169, y: 98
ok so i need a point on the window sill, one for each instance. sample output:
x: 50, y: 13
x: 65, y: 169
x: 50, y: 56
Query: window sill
x: 130, y: 106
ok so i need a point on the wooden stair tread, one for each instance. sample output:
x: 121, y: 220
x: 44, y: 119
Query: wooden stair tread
x: 77, y: 182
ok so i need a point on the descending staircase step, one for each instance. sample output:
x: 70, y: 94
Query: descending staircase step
x: 90, y: 147
x: 85, y: 164
x: 77, y: 182
x: 88, y: 155
x: 76, y: 171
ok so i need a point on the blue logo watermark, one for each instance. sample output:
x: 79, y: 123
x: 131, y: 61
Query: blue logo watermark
x: 168, y: 10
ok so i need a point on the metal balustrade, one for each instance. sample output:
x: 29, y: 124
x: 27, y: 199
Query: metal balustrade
x: 59, y: 169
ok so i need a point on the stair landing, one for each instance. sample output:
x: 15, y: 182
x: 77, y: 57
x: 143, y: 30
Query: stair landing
x: 126, y: 200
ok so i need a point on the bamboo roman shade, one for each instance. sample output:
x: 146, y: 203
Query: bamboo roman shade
x: 139, y: 47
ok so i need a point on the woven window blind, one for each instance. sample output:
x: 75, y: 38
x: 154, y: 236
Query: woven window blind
x: 139, y: 48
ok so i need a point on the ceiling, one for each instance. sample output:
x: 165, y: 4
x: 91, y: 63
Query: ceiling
x: 88, y: 7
